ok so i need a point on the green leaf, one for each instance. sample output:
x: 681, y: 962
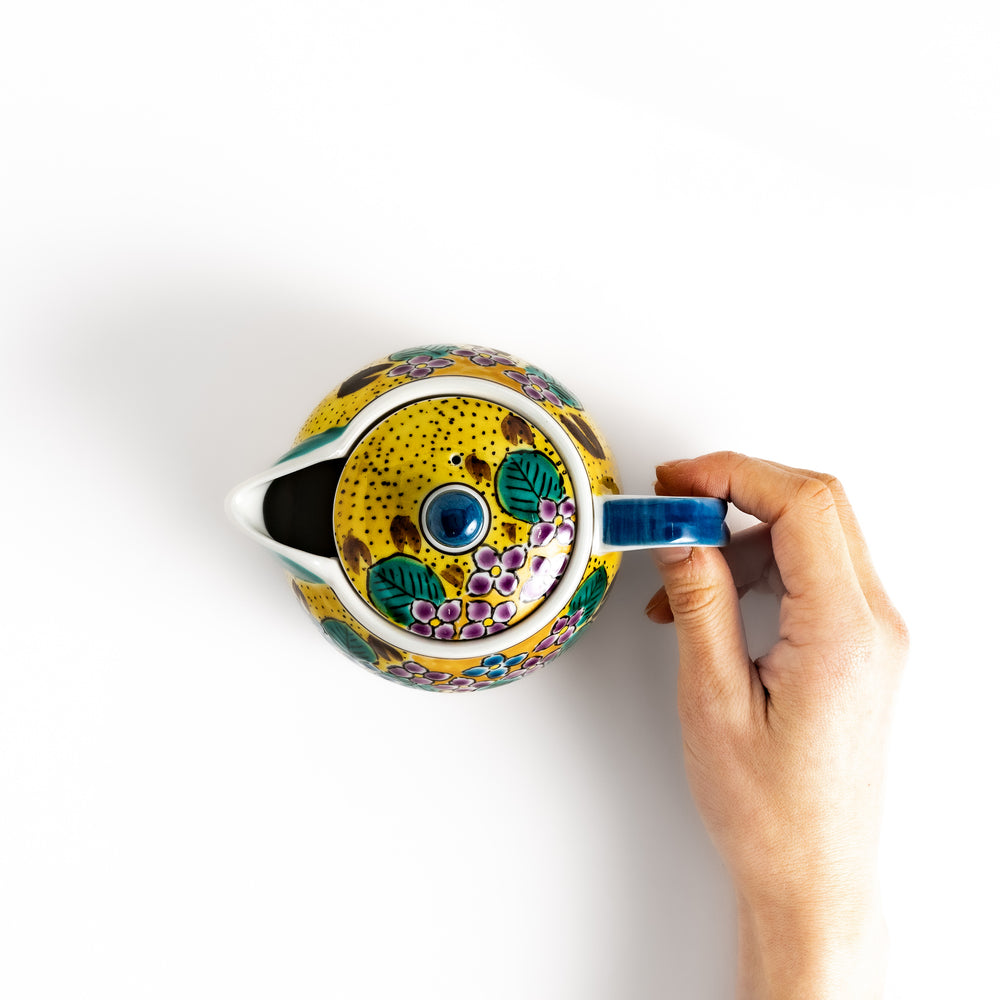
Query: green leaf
x: 432, y: 351
x: 314, y: 442
x: 348, y: 641
x: 523, y: 480
x: 590, y: 593
x: 299, y: 572
x: 395, y: 583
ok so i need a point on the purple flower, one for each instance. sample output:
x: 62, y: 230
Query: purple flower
x: 534, y: 387
x: 556, y: 522
x: 417, y: 674
x: 484, y: 356
x: 484, y: 619
x: 421, y: 366
x: 534, y: 662
x: 465, y: 684
x: 545, y: 570
x: 562, y: 629
x: 435, y: 621
x: 496, y: 569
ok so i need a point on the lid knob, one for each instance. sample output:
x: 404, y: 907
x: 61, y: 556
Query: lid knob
x: 455, y: 518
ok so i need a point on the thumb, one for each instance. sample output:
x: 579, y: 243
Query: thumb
x: 715, y: 668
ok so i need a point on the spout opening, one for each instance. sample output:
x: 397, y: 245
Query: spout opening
x: 298, y: 508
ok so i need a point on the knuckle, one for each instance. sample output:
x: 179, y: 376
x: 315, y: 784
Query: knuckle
x: 854, y: 646
x: 815, y: 495
x: 722, y: 462
x: 732, y: 461
x: 693, y: 600
x: 872, y: 647
x: 833, y: 484
x: 893, y: 630
x: 899, y: 633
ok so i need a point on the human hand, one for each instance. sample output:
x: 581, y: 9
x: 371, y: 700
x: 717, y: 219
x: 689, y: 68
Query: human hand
x: 785, y: 755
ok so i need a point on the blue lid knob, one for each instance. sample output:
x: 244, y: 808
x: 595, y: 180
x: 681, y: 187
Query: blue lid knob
x: 455, y: 518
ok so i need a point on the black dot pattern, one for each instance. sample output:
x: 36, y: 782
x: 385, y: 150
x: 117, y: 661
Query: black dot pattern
x: 377, y: 498
x: 411, y: 453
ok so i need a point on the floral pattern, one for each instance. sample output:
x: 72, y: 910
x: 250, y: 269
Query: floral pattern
x: 515, y: 566
x: 435, y: 621
x: 534, y: 387
x: 496, y: 569
x: 420, y: 366
x: 536, y: 662
x: 495, y: 666
x: 555, y: 521
x: 485, y: 619
x: 464, y: 684
x: 417, y: 674
x: 494, y: 670
x: 545, y: 570
x: 484, y: 356
x: 562, y: 630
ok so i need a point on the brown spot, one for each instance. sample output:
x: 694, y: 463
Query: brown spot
x: 584, y: 433
x: 303, y: 600
x: 455, y: 575
x: 383, y: 650
x: 516, y: 430
x: 609, y: 485
x: 354, y: 551
x: 360, y: 380
x: 510, y: 530
x: 403, y: 532
x: 478, y: 469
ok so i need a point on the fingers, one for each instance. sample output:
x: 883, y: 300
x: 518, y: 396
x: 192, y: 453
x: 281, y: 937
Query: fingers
x: 858, y: 548
x: 751, y: 562
x: 715, y: 672
x: 807, y: 536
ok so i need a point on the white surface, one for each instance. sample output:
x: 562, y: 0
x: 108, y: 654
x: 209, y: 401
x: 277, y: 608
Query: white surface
x: 764, y: 227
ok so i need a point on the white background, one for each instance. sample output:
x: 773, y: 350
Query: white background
x: 768, y: 227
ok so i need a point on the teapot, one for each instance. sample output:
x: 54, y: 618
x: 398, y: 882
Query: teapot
x: 451, y: 517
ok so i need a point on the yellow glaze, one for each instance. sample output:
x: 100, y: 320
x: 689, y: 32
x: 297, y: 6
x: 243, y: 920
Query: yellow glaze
x: 457, y: 439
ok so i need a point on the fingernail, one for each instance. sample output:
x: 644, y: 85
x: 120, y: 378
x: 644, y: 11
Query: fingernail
x: 670, y: 555
x: 656, y: 601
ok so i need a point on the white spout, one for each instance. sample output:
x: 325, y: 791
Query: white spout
x: 245, y: 506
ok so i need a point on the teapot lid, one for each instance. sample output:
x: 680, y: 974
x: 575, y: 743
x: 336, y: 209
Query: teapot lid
x: 454, y: 517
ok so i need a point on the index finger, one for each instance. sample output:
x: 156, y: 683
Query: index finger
x: 810, y: 547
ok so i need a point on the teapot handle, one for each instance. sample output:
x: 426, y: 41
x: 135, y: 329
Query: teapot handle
x: 644, y: 522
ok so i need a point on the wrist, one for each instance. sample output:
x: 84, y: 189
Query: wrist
x: 812, y: 951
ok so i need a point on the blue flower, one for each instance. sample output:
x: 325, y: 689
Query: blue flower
x: 495, y: 666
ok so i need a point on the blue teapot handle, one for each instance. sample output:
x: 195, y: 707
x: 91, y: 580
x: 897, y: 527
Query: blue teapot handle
x: 642, y: 522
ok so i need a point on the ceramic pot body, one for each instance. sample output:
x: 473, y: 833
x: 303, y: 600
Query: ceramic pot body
x: 437, y: 514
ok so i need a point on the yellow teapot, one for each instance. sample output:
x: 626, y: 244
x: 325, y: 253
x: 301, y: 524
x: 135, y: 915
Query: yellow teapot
x: 451, y: 517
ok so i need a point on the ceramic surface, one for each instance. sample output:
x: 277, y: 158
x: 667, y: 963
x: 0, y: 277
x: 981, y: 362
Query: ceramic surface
x: 461, y: 484
x: 532, y: 505
x: 423, y: 451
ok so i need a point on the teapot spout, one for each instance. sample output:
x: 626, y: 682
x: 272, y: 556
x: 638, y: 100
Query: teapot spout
x: 245, y: 507
x: 289, y: 510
